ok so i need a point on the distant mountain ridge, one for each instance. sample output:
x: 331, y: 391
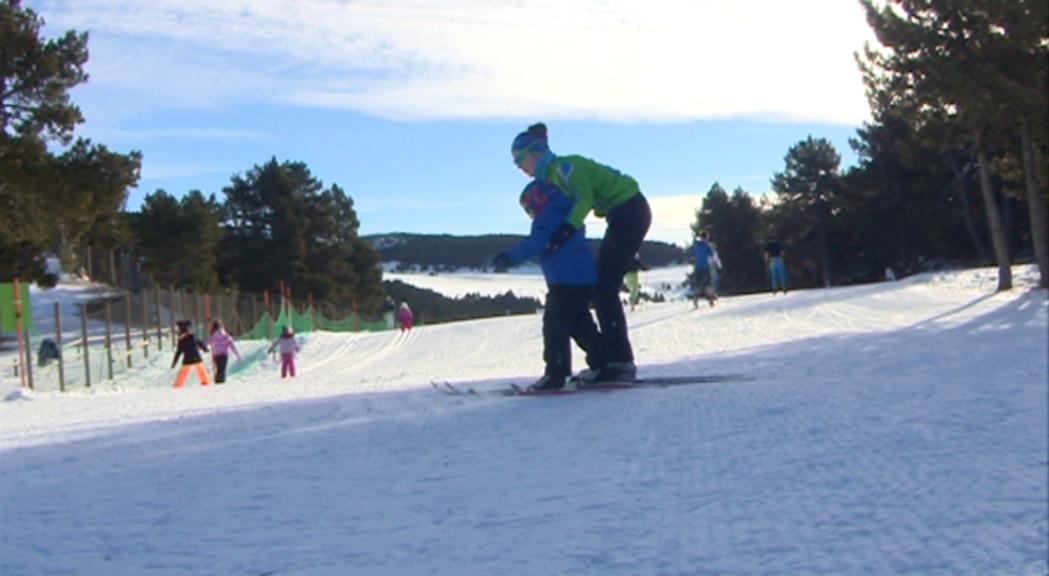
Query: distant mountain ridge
x: 445, y: 252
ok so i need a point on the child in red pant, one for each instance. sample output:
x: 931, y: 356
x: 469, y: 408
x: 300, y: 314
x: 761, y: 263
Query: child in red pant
x: 189, y: 348
x: 288, y: 347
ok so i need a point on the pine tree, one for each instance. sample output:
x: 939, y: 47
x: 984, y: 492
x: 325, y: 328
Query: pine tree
x: 978, y: 65
x: 282, y: 225
x: 179, y: 239
x: 51, y: 199
x: 807, y: 188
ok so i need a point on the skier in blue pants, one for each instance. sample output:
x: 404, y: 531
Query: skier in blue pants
x: 776, y: 266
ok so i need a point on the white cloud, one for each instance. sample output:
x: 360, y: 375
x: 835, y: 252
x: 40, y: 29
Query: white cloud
x: 611, y: 59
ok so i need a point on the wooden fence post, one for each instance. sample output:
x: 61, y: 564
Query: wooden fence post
x: 58, y: 342
x: 127, y: 327
x: 156, y: 306
x: 254, y: 311
x: 145, y: 323
x: 171, y: 327
x: 21, y: 335
x: 86, y: 344
x: 109, y: 338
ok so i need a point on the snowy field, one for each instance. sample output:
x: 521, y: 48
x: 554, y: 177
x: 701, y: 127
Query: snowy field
x: 896, y: 428
x: 527, y: 281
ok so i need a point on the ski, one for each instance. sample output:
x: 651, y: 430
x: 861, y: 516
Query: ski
x: 650, y: 382
x: 516, y: 389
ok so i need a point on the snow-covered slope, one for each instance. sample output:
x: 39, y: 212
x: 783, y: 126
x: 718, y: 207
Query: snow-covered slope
x: 890, y: 429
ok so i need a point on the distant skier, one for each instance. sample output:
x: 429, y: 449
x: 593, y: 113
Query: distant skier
x: 388, y: 308
x: 611, y: 195
x: 221, y: 344
x: 633, y: 280
x: 47, y: 352
x: 189, y: 348
x: 776, y: 266
x: 405, y: 317
x: 570, y: 275
x: 706, y: 258
x: 287, y: 347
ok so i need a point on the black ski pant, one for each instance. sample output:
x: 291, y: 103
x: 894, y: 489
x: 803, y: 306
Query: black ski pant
x: 566, y: 318
x: 627, y: 225
x: 220, y: 368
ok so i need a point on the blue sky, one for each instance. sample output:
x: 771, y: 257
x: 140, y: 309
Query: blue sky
x: 411, y: 105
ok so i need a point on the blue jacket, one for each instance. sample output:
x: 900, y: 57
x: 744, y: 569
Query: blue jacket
x: 573, y: 264
x: 703, y: 253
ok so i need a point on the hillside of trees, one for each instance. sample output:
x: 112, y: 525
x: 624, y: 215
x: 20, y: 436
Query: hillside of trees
x: 430, y: 307
x: 443, y: 252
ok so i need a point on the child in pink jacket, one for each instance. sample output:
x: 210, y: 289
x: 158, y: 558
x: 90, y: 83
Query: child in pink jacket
x: 288, y: 347
x: 221, y: 343
x: 406, y: 317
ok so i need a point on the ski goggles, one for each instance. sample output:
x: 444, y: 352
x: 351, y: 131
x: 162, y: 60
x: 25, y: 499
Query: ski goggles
x: 521, y: 155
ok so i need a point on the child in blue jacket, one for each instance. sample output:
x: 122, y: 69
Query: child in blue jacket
x: 571, y: 275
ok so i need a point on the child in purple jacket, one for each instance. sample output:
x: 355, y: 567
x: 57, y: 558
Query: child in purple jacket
x: 288, y: 347
x: 221, y: 343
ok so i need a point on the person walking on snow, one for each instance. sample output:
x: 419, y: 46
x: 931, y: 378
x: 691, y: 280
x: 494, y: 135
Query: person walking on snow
x: 221, y: 344
x: 189, y: 349
x: 610, y: 194
x: 776, y: 266
x: 287, y: 347
x: 405, y: 317
x: 704, y: 274
x: 570, y: 275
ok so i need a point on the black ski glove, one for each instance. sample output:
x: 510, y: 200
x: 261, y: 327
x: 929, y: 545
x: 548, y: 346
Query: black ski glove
x: 502, y: 260
x: 560, y: 236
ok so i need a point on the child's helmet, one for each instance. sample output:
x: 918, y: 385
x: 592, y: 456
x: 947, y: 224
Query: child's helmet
x: 534, y: 199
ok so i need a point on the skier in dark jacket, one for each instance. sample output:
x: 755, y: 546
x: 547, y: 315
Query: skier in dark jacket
x: 189, y: 348
x: 570, y: 275
x: 776, y: 266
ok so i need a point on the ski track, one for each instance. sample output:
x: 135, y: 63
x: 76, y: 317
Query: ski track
x: 867, y: 445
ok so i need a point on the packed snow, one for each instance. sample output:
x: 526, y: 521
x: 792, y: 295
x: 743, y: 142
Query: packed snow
x: 893, y: 428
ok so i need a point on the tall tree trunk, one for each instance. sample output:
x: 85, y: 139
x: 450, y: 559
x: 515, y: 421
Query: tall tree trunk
x: 826, y: 259
x: 1035, y: 202
x: 994, y: 220
x: 963, y: 195
x: 825, y: 216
